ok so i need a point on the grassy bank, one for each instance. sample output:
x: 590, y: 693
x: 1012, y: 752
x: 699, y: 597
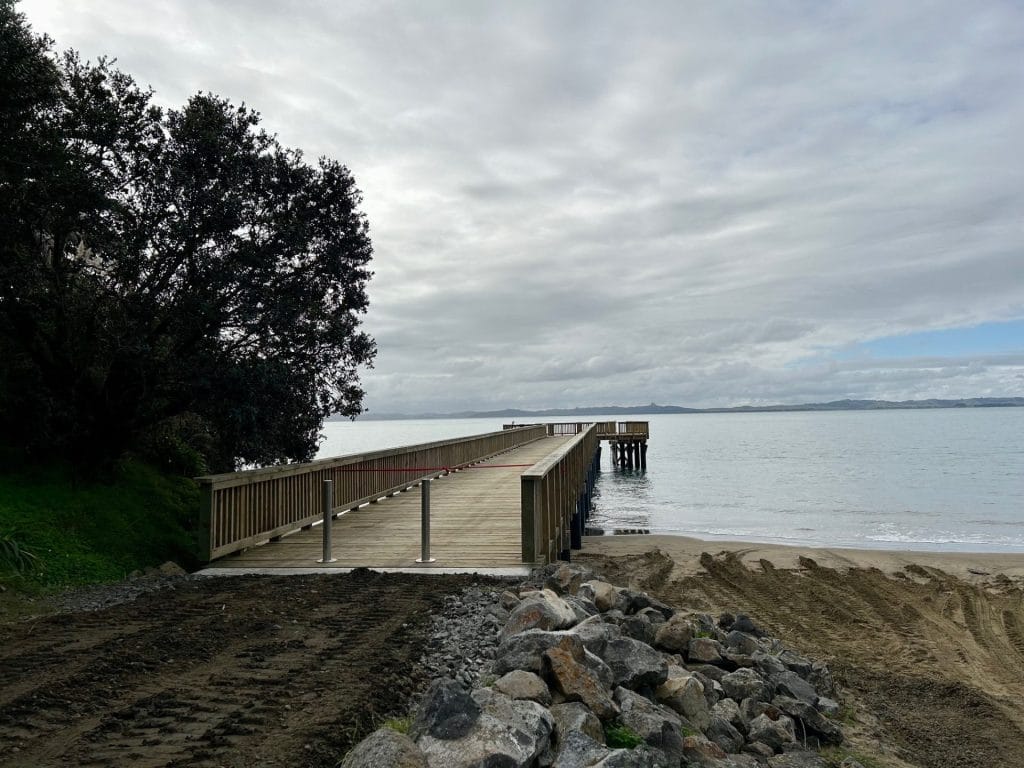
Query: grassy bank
x: 63, y: 530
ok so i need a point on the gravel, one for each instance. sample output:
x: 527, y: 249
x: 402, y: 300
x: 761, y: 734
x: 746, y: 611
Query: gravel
x: 100, y: 596
x: 464, y: 635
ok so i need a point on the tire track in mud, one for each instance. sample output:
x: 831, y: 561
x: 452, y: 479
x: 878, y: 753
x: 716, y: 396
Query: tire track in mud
x: 220, y: 672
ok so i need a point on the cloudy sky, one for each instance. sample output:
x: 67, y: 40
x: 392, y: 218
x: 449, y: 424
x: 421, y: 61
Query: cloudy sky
x: 583, y: 203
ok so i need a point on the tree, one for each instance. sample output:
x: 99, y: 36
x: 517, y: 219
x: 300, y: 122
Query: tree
x: 168, y: 278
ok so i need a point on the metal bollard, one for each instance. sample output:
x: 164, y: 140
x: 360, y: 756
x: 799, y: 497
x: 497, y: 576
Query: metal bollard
x: 328, y: 517
x: 425, y: 524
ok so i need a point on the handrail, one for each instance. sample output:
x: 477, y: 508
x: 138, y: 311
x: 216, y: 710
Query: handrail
x: 606, y: 430
x: 550, y: 489
x: 241, y: 509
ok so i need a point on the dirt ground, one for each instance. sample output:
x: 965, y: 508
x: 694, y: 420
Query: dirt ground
x: 265, y: 671
x: 931, y: 666
x: 246, y: 671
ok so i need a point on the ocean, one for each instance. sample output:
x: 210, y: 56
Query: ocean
x: 933, y: 480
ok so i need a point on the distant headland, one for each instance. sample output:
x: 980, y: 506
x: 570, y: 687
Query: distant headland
x: 653, y: 408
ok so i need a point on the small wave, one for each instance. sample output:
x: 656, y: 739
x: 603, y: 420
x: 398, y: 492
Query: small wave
x: 903, y: 538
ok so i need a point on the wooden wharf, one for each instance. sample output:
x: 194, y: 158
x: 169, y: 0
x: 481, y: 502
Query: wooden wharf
x: 514, y: 498
x: 627, y: 439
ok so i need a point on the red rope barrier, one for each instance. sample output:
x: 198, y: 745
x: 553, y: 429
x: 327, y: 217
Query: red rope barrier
x: 438, y: 469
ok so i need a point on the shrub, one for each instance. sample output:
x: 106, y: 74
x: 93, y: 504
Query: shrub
x: 618, y: 736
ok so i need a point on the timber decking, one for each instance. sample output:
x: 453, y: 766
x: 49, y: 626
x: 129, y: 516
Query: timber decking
x: 475, y: 521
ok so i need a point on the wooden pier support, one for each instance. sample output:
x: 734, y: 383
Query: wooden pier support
x: 629, y: 454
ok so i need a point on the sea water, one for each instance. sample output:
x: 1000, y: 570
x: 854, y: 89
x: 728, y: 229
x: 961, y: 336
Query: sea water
x: 936, y: 480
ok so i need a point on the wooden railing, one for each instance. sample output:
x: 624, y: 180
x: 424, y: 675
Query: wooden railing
x: 629, y: 429
x: 550, y: 491
x: 606, y: 430
x: 240, y: 509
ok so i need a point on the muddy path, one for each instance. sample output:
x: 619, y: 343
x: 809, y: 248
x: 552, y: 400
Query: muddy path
x: 217, y: 672
x: 932, y: 666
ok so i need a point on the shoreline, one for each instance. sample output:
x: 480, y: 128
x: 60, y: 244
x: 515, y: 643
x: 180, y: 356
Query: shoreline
x: 685, y: 551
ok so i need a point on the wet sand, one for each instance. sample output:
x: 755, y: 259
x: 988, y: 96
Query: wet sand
x: 686, y: 552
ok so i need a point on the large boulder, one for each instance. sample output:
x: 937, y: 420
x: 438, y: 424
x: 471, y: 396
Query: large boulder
x: 596, y: 665
x: 724, y: 734
x: 630, y: 601
x: 729, y: 710
x: 507, y: 732
x: 713, y: 690
x: 639, y: 627
x: 579, y: 750
x: 795, y: 687
x: 539, y: 610
x: 447, y: 711
x: 775, y: 733
x: 595, y: 633
x: 520, y: 684
x: 508, y: 600
x: 601, y: 593
x: 821, y: 679
x: 675, y: 634
x: 658, y: 726
x: 576, y: 682
x: 385, y: 747
x: 583, y: 608
x: 634, y: 664
x: 794, y: 662
x: 701, y: 751
x: 742, y: 643
x: 767, y: 664
x: 566, y: 578
x: 704, y: 650
x: 814, y: 723
x: 746, y: 684
x: 576, y: 716
x: 526, y: 650
x: 655, y: 615
x: 683, y: 693
x: 743, y: 623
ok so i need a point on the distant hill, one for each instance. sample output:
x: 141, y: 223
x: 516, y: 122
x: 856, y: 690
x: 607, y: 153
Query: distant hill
x: 574, y: 414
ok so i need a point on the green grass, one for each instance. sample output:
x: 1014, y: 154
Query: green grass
x: 399, y: 724
x: 57, y: 530
x: 15, y: 559
x: 620, y: 736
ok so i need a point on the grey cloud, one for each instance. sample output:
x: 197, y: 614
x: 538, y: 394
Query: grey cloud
x: 593, y: 202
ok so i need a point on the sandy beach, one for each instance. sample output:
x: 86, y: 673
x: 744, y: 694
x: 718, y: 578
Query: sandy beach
x: 686, y: 552
x: 928, y: 648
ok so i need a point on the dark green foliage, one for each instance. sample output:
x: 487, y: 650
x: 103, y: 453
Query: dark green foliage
x: 81, y: 531
x: 618, y: 736
x: 174, y: 282
x: 15, y: 560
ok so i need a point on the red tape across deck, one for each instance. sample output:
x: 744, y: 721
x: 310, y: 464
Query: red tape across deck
x: 439, y: 469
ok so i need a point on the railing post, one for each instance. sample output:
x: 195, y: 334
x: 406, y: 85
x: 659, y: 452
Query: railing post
x: 328, y: 500
x: 205, y: 531
x: 425, y: 524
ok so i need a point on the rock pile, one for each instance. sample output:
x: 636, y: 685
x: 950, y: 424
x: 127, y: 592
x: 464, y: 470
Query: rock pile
x: 464, y: 635
x: 591, y: 674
